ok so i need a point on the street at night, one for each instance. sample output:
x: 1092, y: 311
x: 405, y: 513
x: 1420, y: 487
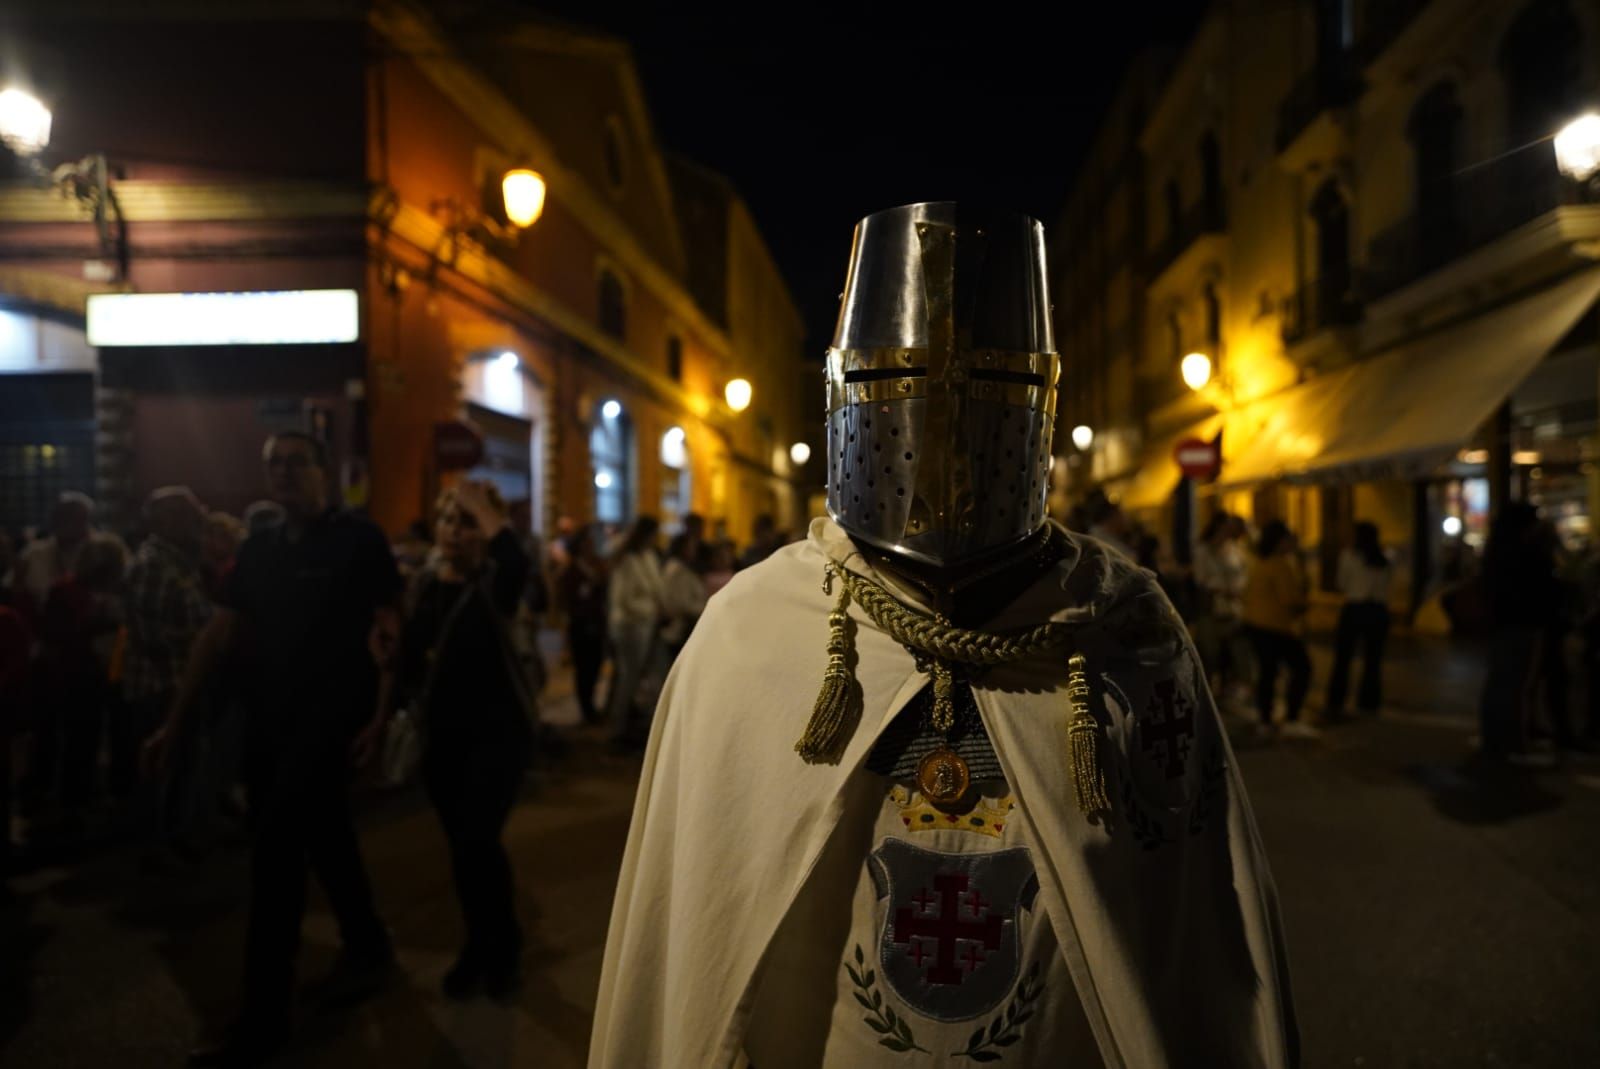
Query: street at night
x: 1435, y: 919
x: 582, y: 535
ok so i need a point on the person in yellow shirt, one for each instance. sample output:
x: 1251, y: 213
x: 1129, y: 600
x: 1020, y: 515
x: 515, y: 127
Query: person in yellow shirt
x: 1274, y: 605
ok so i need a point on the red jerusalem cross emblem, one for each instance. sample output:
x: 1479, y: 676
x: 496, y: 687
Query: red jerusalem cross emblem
x: 949, y: 945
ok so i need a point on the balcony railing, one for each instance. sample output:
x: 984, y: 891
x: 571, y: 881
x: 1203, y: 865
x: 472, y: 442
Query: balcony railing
x: 1322, y: 89
x: 1207, y: 217
x: 1464, y: 212
x: 1327, y: 302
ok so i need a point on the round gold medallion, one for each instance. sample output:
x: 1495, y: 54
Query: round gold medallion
x: 943, y: 777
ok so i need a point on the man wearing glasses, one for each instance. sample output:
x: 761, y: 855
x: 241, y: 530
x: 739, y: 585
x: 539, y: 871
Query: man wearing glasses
x: 312, y: 606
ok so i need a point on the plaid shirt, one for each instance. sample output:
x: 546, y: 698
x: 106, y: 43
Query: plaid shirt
x: 167, y: 607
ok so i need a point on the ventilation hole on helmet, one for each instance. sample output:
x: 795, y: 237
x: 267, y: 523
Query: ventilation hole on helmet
x: 856, y: 498
x: 908, y: 456
x: 852, y: 437
x: 883, y: 506
x: 866, y: 423
x: 877, y: 447
x: 847, y: 475
x: 900, y: 491
x: 895, y: 431
x: 869, y: 484
x: 887, y: 470
x: 1009, y: 455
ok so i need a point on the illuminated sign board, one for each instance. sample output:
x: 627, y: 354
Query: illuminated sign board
x: 275, y: 317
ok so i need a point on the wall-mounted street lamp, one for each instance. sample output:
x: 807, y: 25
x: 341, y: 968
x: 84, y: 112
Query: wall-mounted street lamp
x: 24, y: 122
x: 1578, y: 147
x: 738, y: 394
x: 1196, y: 369
x: 1083, y: 437
x: 800, y: 452
x: 25, y: 129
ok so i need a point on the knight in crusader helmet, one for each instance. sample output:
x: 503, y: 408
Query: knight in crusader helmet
x: 1006, y: 828
x: 942, y: 386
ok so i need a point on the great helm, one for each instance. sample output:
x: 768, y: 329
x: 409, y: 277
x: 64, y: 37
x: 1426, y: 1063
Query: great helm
x: 942, y: 383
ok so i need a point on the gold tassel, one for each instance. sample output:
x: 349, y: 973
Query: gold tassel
x: 944, y: 706
x: 1083, y: 733
x: 838, y: 705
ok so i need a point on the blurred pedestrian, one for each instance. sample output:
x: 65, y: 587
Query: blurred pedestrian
x: 1519, y: 581
x: 224, y: 534
x: 460, y: 667
x: 262, y: 515
x: 45, y: 561
x: 683, y: 592
x: 1274, y: 604
x: 1221, y: 571
x: 634, y: 615
x: 78, y: 630
x: 166, y: 606
x: 719, y: 566
x: 318, y: 595
x: 764, y: 541
x: 584, y: 602
x: 1109, y: 524
x: 1364, y: 576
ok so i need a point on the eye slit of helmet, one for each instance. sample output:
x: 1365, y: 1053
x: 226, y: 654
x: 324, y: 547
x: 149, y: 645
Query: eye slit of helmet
x: 878, y: 374
x: 988, y: 374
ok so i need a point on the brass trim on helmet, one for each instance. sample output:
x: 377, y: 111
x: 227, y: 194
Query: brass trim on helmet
x: 904, y: 388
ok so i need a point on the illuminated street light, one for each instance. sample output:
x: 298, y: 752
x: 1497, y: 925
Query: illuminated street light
x: 800, y: 452
x: 1083, y: 437
x: 523, y: 191
x: 602, y: 479
x: 738, y: 393
x: 611, y: 409
x: 1196, y: 369
x: 508, y: 360
x: 1452, y: 526
x: 1578, y: 147
x: 24, y: 122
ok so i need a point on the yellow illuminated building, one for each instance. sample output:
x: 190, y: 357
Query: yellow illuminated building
x: 1353, y: 212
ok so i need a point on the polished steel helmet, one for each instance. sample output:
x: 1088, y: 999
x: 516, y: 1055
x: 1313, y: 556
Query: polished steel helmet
x: 942, y: 383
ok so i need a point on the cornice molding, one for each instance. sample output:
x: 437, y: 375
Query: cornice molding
x: 144, y: 201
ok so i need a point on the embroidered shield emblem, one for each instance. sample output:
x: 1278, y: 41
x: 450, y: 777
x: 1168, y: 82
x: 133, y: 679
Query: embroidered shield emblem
x: 949, y: 945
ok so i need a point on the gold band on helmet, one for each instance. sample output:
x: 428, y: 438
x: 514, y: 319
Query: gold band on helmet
x: 969, y: 368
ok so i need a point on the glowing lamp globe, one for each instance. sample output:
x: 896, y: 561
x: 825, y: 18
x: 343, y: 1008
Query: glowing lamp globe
x: 1196, y: 370
x: 738, y: 393
x: 523, y: 191
x: 1083, y: 437
x: 24, y: 122
x: 800, y: 452
x: 1578, y: 147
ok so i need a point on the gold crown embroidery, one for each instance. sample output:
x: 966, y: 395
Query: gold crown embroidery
x: 989, y: 817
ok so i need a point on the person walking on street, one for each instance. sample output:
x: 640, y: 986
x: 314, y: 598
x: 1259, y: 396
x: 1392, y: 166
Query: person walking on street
x: 166, y: 607
x: 683, y: 591
x: 1221, y: 572
x: 635, y: 614
x: 460, y: 667
x: 1519, y: 581
x: 583, y: 602
x: 1274, y: 604
x: 45, y: 561
x: 318, y: 595
x: 1365, y: 575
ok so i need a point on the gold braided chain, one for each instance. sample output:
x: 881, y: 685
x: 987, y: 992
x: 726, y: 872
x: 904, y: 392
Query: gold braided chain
x: 945, y: 641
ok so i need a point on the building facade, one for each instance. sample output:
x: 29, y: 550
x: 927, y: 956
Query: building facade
x: 578, y: 348
x: 1354, y: 214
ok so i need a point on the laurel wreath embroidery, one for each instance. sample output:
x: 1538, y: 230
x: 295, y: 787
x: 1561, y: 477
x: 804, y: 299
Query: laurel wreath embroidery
x: 1006, y: 1028
x: 893, y: 1031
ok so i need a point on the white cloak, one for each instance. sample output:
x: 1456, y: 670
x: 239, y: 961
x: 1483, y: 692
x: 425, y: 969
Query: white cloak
x: 1165, y: 912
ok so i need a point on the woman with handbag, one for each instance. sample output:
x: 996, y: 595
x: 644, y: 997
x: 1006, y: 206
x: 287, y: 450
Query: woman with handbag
x: 475, y: 714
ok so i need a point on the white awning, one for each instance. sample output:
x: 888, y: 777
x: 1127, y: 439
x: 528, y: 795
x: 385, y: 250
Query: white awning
x: 1402, y: 413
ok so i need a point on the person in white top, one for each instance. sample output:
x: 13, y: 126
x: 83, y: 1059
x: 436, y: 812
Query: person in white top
x: 1221, y: 571
x: 683, y: 591
x: 634, y: 612
x: 1365, y: 575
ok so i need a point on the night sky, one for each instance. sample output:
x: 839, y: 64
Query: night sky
x: 845, y: 110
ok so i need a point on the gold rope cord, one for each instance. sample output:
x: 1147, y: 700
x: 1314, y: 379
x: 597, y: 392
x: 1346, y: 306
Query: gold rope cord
x: 838, y: 704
